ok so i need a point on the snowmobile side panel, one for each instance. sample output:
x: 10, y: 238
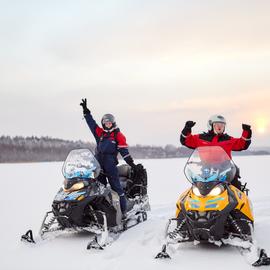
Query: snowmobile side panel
x: 244, y: 204
x: 178, y: 203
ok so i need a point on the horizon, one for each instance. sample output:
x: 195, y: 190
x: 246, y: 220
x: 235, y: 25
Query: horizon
x: 143, y: 145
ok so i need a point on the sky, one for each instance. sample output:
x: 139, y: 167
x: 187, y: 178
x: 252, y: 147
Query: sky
x: 153, y: 64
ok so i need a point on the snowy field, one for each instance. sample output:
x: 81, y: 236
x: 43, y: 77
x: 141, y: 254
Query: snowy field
x: 28, y: 191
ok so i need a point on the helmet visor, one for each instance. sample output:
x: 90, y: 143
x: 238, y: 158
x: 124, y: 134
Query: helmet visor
x: 108, y: 118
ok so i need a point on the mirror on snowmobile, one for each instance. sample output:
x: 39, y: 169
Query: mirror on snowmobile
x: 209, y: 165
x: 79, y: 167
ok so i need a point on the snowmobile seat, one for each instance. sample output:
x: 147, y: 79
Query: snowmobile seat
x: 124, y: 172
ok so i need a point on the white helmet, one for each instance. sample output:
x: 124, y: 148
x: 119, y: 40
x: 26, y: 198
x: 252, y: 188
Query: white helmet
x: 215, y: 119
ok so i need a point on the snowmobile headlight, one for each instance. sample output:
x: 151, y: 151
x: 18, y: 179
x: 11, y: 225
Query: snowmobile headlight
x: 196, y: 191
x: 76, y: 186
x: 217, y: 190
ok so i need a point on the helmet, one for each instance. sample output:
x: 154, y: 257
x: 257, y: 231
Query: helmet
x: 108, y: 118
x: 215, y: 119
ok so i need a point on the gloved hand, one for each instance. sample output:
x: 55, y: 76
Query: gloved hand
x: 129, y: 160
x: 136, y: 170
x: 84, y: 106
x: 246, y: 127
x: 190, y: 124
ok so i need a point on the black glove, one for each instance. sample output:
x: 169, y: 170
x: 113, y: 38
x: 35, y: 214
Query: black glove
x: 190, y: 124
x: 84, y: 105
x: 139, y: 170
x: 187, y: 128
x: 129, y: 160
x: 246, y: 127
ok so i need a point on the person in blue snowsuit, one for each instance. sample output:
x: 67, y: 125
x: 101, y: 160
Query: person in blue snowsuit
x: 110, y: 140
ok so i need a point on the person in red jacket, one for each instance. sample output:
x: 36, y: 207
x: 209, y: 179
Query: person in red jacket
x: 216, y: 137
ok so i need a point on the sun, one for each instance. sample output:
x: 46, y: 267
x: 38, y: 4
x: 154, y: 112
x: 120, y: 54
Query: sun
x: 261, y: 125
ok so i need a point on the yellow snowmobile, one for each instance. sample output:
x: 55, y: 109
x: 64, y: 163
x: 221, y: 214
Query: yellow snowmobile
x: 213, y: 210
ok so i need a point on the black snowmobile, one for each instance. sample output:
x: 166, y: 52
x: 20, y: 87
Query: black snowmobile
x: 85, y: 204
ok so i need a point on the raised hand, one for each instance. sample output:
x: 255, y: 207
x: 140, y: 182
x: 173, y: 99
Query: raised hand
x: 190, y: 124
x: 84, y: 106
x: 246, y: 127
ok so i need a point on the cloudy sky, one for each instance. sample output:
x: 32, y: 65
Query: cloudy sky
x: 154, y: 64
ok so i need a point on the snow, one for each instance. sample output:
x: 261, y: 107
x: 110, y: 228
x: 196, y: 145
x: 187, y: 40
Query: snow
x: 28, y: 190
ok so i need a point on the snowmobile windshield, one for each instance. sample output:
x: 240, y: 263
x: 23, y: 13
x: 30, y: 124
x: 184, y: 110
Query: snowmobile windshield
x: 80, y: 164
x: 209, y: 164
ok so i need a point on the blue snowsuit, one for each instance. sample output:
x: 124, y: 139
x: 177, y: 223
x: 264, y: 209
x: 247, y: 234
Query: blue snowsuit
x: 108, y: 146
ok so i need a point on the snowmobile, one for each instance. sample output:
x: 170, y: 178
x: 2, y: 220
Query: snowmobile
x: 85, y: 204
x: 213, y: 210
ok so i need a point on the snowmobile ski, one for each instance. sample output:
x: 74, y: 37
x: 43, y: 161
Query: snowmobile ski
x: 94, y: 244
x: 263, y: 259
x: 163, y: 253
x: 28, y: 237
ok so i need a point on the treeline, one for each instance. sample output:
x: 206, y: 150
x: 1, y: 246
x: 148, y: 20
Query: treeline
x: 37, y: 149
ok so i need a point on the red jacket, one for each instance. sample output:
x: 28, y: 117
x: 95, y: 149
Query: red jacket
x: 227, y: 142
x: 109, y: 142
